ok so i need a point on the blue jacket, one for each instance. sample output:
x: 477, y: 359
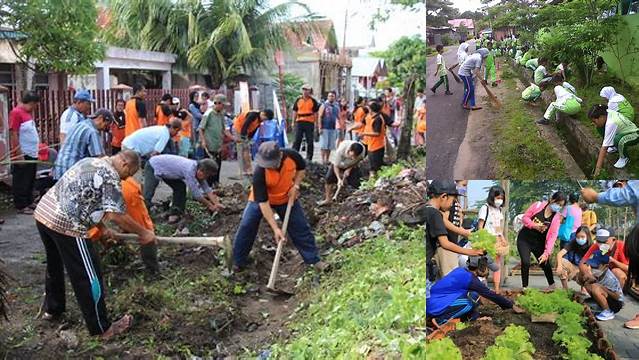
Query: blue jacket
x: 626, y: 196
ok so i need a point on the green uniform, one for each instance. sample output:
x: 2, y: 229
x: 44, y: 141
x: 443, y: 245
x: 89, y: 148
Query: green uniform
x: 627, y: 110
x: 531, y: 93
x: 566, y: 102
x: 540, y: 73
x: 525, y: 58
x: 626, y: 132
x: 532, y: 64
x: 490, y: 73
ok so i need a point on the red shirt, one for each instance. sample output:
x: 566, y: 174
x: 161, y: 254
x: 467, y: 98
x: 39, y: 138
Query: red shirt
x: 619, y: 255
x: 17, y: 116
x: 21, y: 120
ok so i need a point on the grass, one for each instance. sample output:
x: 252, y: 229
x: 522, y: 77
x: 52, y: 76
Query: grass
x: 369, y: 307
x: 521, y: 152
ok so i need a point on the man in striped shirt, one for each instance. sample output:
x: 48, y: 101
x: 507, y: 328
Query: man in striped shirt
x: 75, y: 113
x: 83, y: 141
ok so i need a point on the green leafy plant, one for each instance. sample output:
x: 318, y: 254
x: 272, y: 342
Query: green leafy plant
x: 442, y: 349
x: 386, y: 172
x: 482, y: 239
x: 513, y: 344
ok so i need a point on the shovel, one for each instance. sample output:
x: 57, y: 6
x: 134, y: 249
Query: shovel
x: 221, y: 241
x: 278, y: 254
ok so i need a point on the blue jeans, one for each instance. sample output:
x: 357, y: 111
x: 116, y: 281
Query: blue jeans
x: 464, y: 308
x: 469, y: 91
x: 298, y: 230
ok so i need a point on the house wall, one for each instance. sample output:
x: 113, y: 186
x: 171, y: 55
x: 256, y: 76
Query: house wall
x: 630, y: 63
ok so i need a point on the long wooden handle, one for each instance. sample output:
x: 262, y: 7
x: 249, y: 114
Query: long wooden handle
x: 491, y: 95
x: 457, y: 79
x: 280, y: 246
x: 206, y: 241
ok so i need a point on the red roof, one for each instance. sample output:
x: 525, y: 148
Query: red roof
x: 468, y: 23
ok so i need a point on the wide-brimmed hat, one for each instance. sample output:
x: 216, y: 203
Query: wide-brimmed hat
x: 269, y: 155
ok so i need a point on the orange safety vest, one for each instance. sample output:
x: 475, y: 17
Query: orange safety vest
x: 358, y: 116
x: 279, y: 182
x: 421, y: 120
x: 306, y: 110
x: 375, y: 143
x: 134, y: 201
x: 160, y: 118
x: 238, y: 124
x: 132, y: 118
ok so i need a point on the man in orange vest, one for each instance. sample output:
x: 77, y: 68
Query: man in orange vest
x: 305, y: 110
x: 163, y: 110
x: 135, y: 207
x: 135, y: 110
x: 277, y: 178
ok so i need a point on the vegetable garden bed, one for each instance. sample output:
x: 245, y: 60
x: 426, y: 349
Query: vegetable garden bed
x: 575, y: 334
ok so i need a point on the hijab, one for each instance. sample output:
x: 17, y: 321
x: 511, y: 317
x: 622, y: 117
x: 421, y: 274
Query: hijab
x: 609, y: 93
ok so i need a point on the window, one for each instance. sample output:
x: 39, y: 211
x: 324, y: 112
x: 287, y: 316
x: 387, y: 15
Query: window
x: 6, y: 76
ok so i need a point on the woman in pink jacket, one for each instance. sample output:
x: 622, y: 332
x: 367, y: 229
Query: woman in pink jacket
x: 538, y: 236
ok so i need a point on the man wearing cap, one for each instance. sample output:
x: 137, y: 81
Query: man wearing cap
x: 613, y: 249
x: 245, y: 125
x: 75, y: 113
x: 135, y: 110
x: 277, y: 178
x: 152, y: 140
x: 212, y: 129
x: 441, y: 194
x: 83, y: 141
x: 305, y: 110
x: 179, y: 173
x: 456, y: 295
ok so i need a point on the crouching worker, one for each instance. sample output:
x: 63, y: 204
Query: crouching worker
x: 344, y: 168
x: 566, y: 101
x: 136, y: 209
x: 277, y: 177
x: 88, y: 194
x: 179, y: 173
x: 531, y: 93
x: 569, y: 256
x: 599, y: 281
x: 619, y: 132
x: 456, y: 295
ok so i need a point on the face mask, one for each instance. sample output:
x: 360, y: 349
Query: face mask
x: 604, y: 248
x: 555, y: 207
x: 581, y: 241
x: 499, y: 202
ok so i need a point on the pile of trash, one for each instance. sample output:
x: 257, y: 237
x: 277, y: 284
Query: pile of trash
x: 367, y: 213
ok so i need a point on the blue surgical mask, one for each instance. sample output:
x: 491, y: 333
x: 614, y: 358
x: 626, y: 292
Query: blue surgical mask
x: 581, y: 241
x: 555, y: 207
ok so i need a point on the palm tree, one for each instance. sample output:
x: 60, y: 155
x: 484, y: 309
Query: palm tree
x: 223, y: 38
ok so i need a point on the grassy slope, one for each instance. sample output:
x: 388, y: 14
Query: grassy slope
x: 371, y: 304
x: 521, y: 152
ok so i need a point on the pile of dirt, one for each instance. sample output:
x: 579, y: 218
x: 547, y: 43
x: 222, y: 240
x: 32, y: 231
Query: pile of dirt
x: 368, y: 212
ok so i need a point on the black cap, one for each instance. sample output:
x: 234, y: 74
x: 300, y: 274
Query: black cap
x: 438, y: 187
x: 269, y: 155
x: 106, y: 114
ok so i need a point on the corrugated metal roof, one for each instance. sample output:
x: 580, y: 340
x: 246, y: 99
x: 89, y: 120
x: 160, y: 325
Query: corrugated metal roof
x: 365, y: 66
x: 6, y: 34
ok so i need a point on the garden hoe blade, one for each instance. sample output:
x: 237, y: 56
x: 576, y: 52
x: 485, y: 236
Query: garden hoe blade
x: 339, y: 187
x: 270, y: 288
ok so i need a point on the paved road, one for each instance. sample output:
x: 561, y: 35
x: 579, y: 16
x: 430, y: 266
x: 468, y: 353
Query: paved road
x: 447, y: 121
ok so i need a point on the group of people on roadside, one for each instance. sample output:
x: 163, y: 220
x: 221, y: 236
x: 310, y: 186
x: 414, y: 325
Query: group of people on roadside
x: 588, y: 253
x: 614, y: 120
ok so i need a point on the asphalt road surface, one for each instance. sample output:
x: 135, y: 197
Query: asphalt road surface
x: 447, y: 119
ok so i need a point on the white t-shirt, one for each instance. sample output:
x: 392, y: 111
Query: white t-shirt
x: 609, y: 133
x: 493, y: 219
x: 340, y: 157
x: 69, y: 118
x: 472, y: 62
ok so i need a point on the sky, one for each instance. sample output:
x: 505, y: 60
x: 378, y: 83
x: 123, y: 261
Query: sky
x: 463, y: 5
x: 478, y: 191
x: 401, y: 22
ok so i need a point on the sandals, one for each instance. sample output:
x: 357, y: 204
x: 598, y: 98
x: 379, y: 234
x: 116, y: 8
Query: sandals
x: 119, y: 327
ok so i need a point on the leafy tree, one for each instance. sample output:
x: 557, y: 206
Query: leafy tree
x: 523, y: 193
x: 438, y: 12
x: 223, y: 38
x: 56, y: 35
x: 407, y: 70
x: 292, y: 85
